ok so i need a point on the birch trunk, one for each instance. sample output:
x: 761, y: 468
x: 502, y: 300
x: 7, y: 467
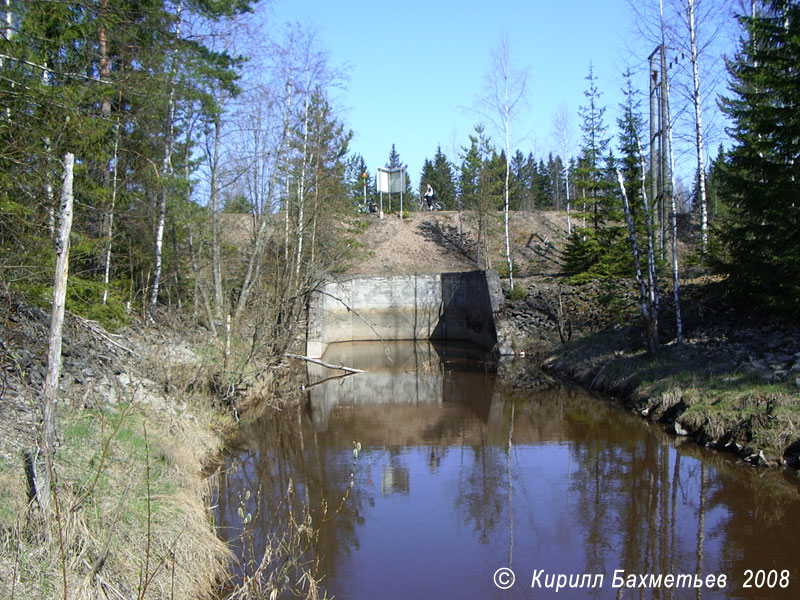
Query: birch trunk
x: 644, y: 298
x: 506, y: 120
x: 302, y: 185
x: 566, y: 183
x: 698, y: 124
x: 48, y: 440
x: 110, y: 217
x: 216, y: 267
x: 652, y: 276
x: 166, y: 169
x: 674, y: 227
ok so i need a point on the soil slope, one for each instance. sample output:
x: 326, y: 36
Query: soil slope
x: 446, y: 241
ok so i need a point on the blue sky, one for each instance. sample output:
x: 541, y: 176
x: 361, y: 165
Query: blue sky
x: 417, y: 68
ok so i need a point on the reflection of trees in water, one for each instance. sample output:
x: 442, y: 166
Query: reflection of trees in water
x: 480, y: 496
x: 639, y: 504
x: 626, y: 491
x: 282, y: 448
x: 647, y: 508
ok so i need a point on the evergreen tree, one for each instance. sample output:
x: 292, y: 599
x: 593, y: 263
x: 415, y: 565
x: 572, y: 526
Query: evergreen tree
x: 394, y: 159
x: 602, y: 250
x: 115, y: 83
x: 589, y: 177
x: 360, y: 189
x: 518, y: 191
x: 555, y: 175
x: 409, y: 197
x: 481, y: 181
x: 443, y: 180
x: 761, y: 172
x: 630, y: 126
x: 544, y: 186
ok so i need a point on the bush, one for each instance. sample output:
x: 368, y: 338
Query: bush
x: 517, y: 293
x: 502, y: 268
x: 84, y: 298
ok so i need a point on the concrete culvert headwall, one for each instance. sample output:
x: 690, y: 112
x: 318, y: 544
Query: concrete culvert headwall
x: 439, y: 306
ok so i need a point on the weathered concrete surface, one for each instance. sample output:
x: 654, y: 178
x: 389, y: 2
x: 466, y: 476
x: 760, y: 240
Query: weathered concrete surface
x: 442, y: 306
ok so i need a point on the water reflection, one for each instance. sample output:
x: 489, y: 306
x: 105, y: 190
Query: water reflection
x: 457, y: 477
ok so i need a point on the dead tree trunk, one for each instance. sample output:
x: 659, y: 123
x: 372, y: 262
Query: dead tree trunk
x: 48, y: 438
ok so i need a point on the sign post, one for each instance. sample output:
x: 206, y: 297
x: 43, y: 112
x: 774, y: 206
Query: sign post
x: 391, y: 181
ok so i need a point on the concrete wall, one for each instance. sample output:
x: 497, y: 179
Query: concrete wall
x: 444, y: 306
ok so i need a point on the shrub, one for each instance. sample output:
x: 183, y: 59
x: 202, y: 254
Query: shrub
x: 517, y: 293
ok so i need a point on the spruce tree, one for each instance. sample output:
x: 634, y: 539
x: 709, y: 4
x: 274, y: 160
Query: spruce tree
x: 409, y: 197
x: 760, y: 175
x: 589, y: 176
x: 443, y: 179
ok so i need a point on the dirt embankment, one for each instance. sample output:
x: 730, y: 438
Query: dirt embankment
x: 447, y: 241
x: 132, y: 440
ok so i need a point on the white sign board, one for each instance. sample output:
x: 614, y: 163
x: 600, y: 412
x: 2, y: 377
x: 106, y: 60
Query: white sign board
x: 391, y: 181
x: 382, y: 181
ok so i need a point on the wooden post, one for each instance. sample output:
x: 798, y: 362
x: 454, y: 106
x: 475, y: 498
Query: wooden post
x: 48, y: 440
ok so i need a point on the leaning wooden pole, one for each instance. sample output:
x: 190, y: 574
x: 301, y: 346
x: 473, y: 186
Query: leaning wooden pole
x: 48, y: 440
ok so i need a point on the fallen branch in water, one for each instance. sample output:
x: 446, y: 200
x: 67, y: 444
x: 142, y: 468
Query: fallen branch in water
x: 326, y: 380
x: 324, y: 364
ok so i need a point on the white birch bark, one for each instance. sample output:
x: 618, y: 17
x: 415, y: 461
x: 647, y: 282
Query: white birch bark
x: 676, y: 297
x: 166, y: 170
x: 110, y: 226
x: 302, y: 185
x: 698, y: 121
x: 644, y: 296
x: 216, y: 266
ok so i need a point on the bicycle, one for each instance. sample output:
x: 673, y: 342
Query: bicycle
x: 422, y: 205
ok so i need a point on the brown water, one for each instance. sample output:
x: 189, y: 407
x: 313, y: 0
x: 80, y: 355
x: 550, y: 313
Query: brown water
x: 457, y: 477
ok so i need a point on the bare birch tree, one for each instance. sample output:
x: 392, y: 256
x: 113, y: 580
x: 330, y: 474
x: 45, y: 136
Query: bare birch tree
x: 506, y: 94
x: 564, y: 136
x: 690, y: 31
x: 698, y: 116
x: 166, y: 167
x: 647, y: 292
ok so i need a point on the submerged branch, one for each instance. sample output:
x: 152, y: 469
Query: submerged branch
x: 324, y: 364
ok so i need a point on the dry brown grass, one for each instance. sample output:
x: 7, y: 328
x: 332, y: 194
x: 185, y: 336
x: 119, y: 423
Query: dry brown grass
x: 132, y: 519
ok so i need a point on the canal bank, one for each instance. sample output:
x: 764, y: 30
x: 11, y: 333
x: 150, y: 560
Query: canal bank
x: 733, y: 385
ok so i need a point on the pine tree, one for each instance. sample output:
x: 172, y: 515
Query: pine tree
x: 761, y: 172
